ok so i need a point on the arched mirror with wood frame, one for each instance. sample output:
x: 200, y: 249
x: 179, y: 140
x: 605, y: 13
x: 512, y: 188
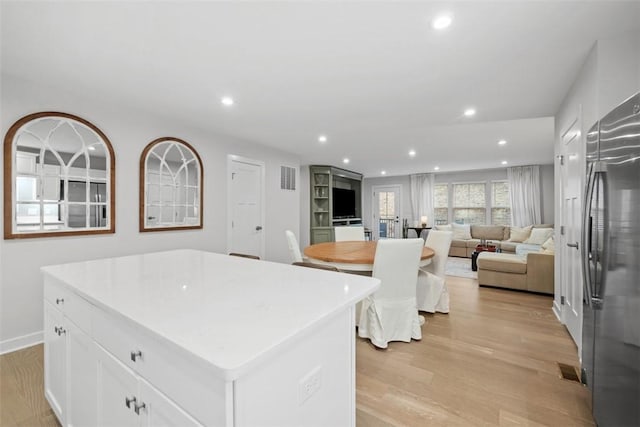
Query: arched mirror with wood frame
x: 170, y: 186
x: 59, y: 178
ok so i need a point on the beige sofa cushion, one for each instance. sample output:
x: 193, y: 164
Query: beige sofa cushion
x: 489, y: 232
x: 506, y: 234
x: 520, y: 234
x: 508, y: 246
x: 446, y: 227
x: 457, y: 243
x: 472, y: 243
x: 507, y: 263
x: 539, y: 235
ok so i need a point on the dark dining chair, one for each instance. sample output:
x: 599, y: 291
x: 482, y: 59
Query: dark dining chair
x: 244, y: 255
x: 318, y: 266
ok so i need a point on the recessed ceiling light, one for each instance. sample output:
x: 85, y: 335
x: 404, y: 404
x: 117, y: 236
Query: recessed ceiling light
x: 504, y: 162
x: 502, y: 142
x: 412, y: 153
x: 227, y: 100
x: 322, y: 138
x: 92, y: 148
x: 442, y: 21
x: 437, y: 168
x: 470, y: 112
x: 345, y: 160
x: 383, y: 173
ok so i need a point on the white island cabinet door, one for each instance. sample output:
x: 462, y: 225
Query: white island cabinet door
x: 162, y: 412
x: 117, y: 393
x: 81, y: 377
x: 55, y: 360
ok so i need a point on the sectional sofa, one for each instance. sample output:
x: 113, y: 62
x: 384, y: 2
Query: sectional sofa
x: 463, y: 246
x: 526, y: 261
x: 532, y: 271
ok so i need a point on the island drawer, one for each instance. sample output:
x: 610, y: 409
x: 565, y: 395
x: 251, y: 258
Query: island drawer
x: 75, y: 308
x: 187, y: 380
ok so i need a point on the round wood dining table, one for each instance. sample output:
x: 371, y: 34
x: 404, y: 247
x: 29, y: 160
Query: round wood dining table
x: 352, y: 255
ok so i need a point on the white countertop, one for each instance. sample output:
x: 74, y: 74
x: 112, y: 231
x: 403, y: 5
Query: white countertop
x: 228, y: 311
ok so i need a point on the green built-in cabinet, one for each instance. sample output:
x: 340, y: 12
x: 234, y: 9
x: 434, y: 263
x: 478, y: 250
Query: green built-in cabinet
x: 322, y: 180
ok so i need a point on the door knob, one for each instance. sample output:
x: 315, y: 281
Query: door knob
x: 137, y: 407
x: 129, y: 400
x: 258, y: 227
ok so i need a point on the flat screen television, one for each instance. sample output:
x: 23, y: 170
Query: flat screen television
x: 344, y: 203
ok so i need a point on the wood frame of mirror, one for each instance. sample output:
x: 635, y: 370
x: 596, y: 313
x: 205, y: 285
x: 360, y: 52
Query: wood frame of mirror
x: 43, y: 178
x: 197, y: 196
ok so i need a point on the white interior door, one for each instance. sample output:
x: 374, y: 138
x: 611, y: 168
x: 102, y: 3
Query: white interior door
x: 246, y: 210
x: 571, y: 220
x: 386, y: 212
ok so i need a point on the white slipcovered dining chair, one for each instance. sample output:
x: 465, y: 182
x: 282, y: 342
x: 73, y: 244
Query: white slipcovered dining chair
x: 431, y: 289
x: 349, y: 233
x: 390, y: 314
x: 294, y: 248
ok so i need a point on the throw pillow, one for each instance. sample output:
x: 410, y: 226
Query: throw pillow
x: 539, y: 235
x: 461, y: 231
x: 520, y: 234
x: 549, y: 245
x: 446, y: 227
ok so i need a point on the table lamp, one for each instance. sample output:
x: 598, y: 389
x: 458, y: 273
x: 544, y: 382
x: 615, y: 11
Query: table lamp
x: 423, y: 220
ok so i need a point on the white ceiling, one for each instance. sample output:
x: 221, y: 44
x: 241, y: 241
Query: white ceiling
x: 373, y: 76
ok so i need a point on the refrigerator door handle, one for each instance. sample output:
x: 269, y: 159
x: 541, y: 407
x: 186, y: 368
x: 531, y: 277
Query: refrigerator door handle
x: 586, y: 238
x: 602, y: 251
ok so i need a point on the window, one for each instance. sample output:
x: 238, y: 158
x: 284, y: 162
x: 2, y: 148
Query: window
x: 60, y: 177
x: 441, y: 203
x: 500, y: 203
x: 171, y: 186
x: 469, y: 205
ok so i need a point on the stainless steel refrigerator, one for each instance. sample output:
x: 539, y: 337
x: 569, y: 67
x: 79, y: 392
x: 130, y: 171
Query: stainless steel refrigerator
x: 611, y: 264
x: 97, y: 210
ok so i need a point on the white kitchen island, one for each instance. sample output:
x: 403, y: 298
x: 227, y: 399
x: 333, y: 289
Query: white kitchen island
x: 195, y: 338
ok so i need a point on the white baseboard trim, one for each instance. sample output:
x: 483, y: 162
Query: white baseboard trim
x: 557, y: 310
x: 18, y: 343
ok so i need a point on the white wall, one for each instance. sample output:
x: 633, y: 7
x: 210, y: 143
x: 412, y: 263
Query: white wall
x: 485, y: 175
x: 129, y: 132
x: 618, y: 70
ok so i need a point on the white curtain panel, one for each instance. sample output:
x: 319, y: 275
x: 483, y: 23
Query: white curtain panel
x: 422, y: 196
x: 524, y: 190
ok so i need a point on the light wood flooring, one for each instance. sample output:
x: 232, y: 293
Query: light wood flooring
x: 22, y: 401
x: 491, y: 361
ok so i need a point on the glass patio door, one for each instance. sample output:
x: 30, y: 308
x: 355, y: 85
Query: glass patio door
x: 386, y: 212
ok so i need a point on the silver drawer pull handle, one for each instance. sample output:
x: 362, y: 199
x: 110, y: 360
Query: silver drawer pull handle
x: 573, y: 245
x: 138, y: 407
x: 59, y: 301
x: 128, y: 401
x: 135, y: 355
